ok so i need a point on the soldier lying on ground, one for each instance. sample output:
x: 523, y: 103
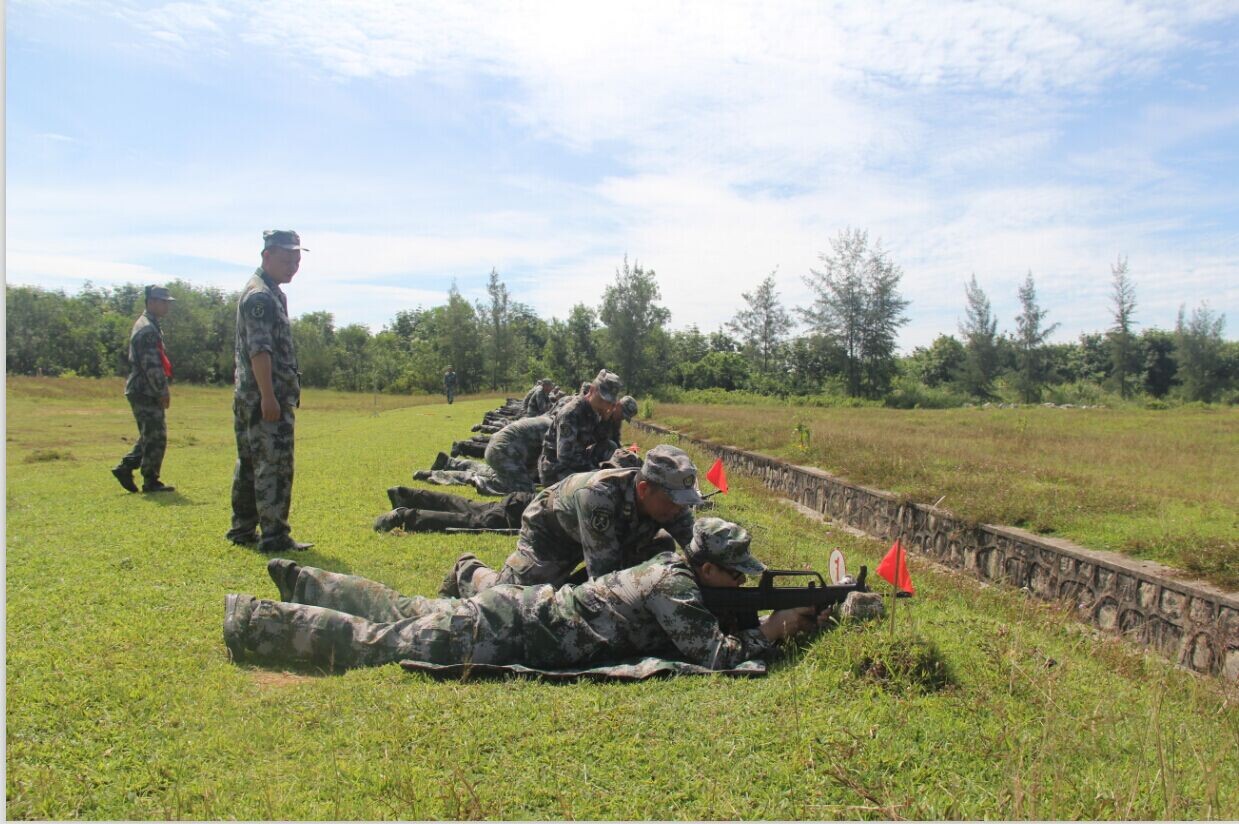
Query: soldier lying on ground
x: 420, y: 510
x: 610, y: 519
x: 655, y: 608
x: 474, y: 447
x: 449, y: 471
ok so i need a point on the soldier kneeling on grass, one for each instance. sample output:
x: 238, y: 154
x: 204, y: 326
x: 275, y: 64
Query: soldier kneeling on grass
x: 655, y: 608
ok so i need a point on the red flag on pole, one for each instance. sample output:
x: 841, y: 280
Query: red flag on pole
x: 894, y: 568
x: 635, y: 449
x: 718, y: 476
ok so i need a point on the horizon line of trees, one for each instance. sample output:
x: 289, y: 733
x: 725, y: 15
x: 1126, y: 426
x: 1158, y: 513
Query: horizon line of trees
x: 847, y: 349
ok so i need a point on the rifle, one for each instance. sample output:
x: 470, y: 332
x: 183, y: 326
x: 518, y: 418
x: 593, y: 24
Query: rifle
x: 741, y: 604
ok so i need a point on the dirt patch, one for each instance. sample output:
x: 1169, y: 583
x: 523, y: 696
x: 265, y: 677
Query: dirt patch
x: 275, y: 680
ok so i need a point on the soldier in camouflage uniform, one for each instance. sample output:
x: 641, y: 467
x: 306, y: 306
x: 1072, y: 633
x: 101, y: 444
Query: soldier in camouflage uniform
x: 610, y: 519
x: 537, y: 400
x: 148, y: 395
x: 579, y: 432
x: 449, y: 384
x: 513, y: 453
x: 655, y: 608
x: 624, y: 411
x: 420, y: 510
x: 449, y: 471
x: 268, y: 391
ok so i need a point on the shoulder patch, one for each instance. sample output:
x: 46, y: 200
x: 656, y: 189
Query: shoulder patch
x: 257, y: 310
x: 600, y: 519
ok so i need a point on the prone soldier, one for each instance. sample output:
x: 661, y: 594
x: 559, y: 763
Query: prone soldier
x: 654, y: 608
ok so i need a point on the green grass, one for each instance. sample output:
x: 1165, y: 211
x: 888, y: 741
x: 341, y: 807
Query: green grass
x: 122, y: 703
x: 1158, y: 485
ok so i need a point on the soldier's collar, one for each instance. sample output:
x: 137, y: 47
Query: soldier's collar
x: 267, y: 279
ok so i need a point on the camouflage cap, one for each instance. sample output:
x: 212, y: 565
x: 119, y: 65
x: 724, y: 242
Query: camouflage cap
x: 608, y: 385
x: 158, y: 293
x: 283, y: 239
x: 725, y: 544
x: 628, y: 404
x: 671, y: 468
x: 545, y: 381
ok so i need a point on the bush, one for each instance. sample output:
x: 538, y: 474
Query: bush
x: 909, y: 393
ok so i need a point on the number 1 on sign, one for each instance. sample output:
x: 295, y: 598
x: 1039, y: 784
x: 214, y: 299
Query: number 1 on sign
x: 838, y: 570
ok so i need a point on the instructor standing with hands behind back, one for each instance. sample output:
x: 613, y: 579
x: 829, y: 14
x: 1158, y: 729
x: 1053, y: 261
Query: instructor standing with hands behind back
x: 268, y: 391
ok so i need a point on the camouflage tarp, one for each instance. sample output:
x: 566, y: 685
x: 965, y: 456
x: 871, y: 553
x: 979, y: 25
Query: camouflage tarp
x: 632, y: 669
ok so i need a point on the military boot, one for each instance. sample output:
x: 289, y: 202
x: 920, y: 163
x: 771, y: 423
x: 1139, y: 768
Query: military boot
x: 124, y: 476
x: 237, y: 612
x: 156, y: 485
x: 440, y: 461
x: 398, y: 517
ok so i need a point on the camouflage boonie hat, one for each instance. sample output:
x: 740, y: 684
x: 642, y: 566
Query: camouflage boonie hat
x: 283, y: 239
x: 158, y: 293
x: 608, y: 385
x: 671, y: 468
x: 724, y: 543
x: 628, y: 404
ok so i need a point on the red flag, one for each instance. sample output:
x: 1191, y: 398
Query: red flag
x: 894, y: 568
x: 163, y: 356
x: 635, y: 449
x: 718, y: 476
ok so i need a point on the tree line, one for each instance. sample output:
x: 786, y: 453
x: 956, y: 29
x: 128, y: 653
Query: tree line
x: 846, y: 351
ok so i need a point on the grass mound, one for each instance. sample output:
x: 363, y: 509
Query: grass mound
x: 906, y: 665
x: 48, y: 455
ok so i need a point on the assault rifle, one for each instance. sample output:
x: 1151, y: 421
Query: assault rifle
x: 741, y: 604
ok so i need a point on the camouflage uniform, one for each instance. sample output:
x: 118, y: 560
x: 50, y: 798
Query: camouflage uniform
x: 513, y: 453
x: 536, y: 402
x: 145, y: 388
x: 344, y: 621
x: 262, y: 482
x: 465, y: 472
x: 420, y: 510
x: 577, y: 441
x: 591, y: 517
x: 449, y: 385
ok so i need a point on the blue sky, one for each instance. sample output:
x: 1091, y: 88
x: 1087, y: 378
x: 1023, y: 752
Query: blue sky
x: 416, y: 144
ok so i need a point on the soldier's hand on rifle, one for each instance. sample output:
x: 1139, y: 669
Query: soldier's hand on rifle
x: 165, y: 401
x: 785, y: 623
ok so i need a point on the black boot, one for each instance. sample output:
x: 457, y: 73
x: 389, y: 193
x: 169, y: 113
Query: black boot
x: 440, y: 461
x: 156, y: 485
x: 124, y: 476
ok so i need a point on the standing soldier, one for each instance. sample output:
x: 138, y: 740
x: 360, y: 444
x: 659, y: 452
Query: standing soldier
x: 268, y: 391
x: 449, y: 384
x: 147, y: 391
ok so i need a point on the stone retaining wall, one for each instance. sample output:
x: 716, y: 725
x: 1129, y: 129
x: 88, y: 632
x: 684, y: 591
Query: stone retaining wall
x: 1194, y: 624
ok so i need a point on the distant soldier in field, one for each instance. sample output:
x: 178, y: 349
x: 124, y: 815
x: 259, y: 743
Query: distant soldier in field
x: 449, y: 384
x: 537, y: 400
x: 148, y: 394
x: 268, y: 391
x: 610, y: 519
x: 654, y: 608
x: 575, y: 441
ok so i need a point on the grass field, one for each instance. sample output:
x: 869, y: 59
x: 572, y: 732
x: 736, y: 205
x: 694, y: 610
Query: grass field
x: 1159, y: 485
x: 121, y: 702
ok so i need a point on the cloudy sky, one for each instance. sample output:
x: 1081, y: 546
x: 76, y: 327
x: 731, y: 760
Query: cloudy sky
x: 416, y: 143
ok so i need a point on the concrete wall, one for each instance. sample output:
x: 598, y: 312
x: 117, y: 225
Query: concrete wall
x: 1194, y: 624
